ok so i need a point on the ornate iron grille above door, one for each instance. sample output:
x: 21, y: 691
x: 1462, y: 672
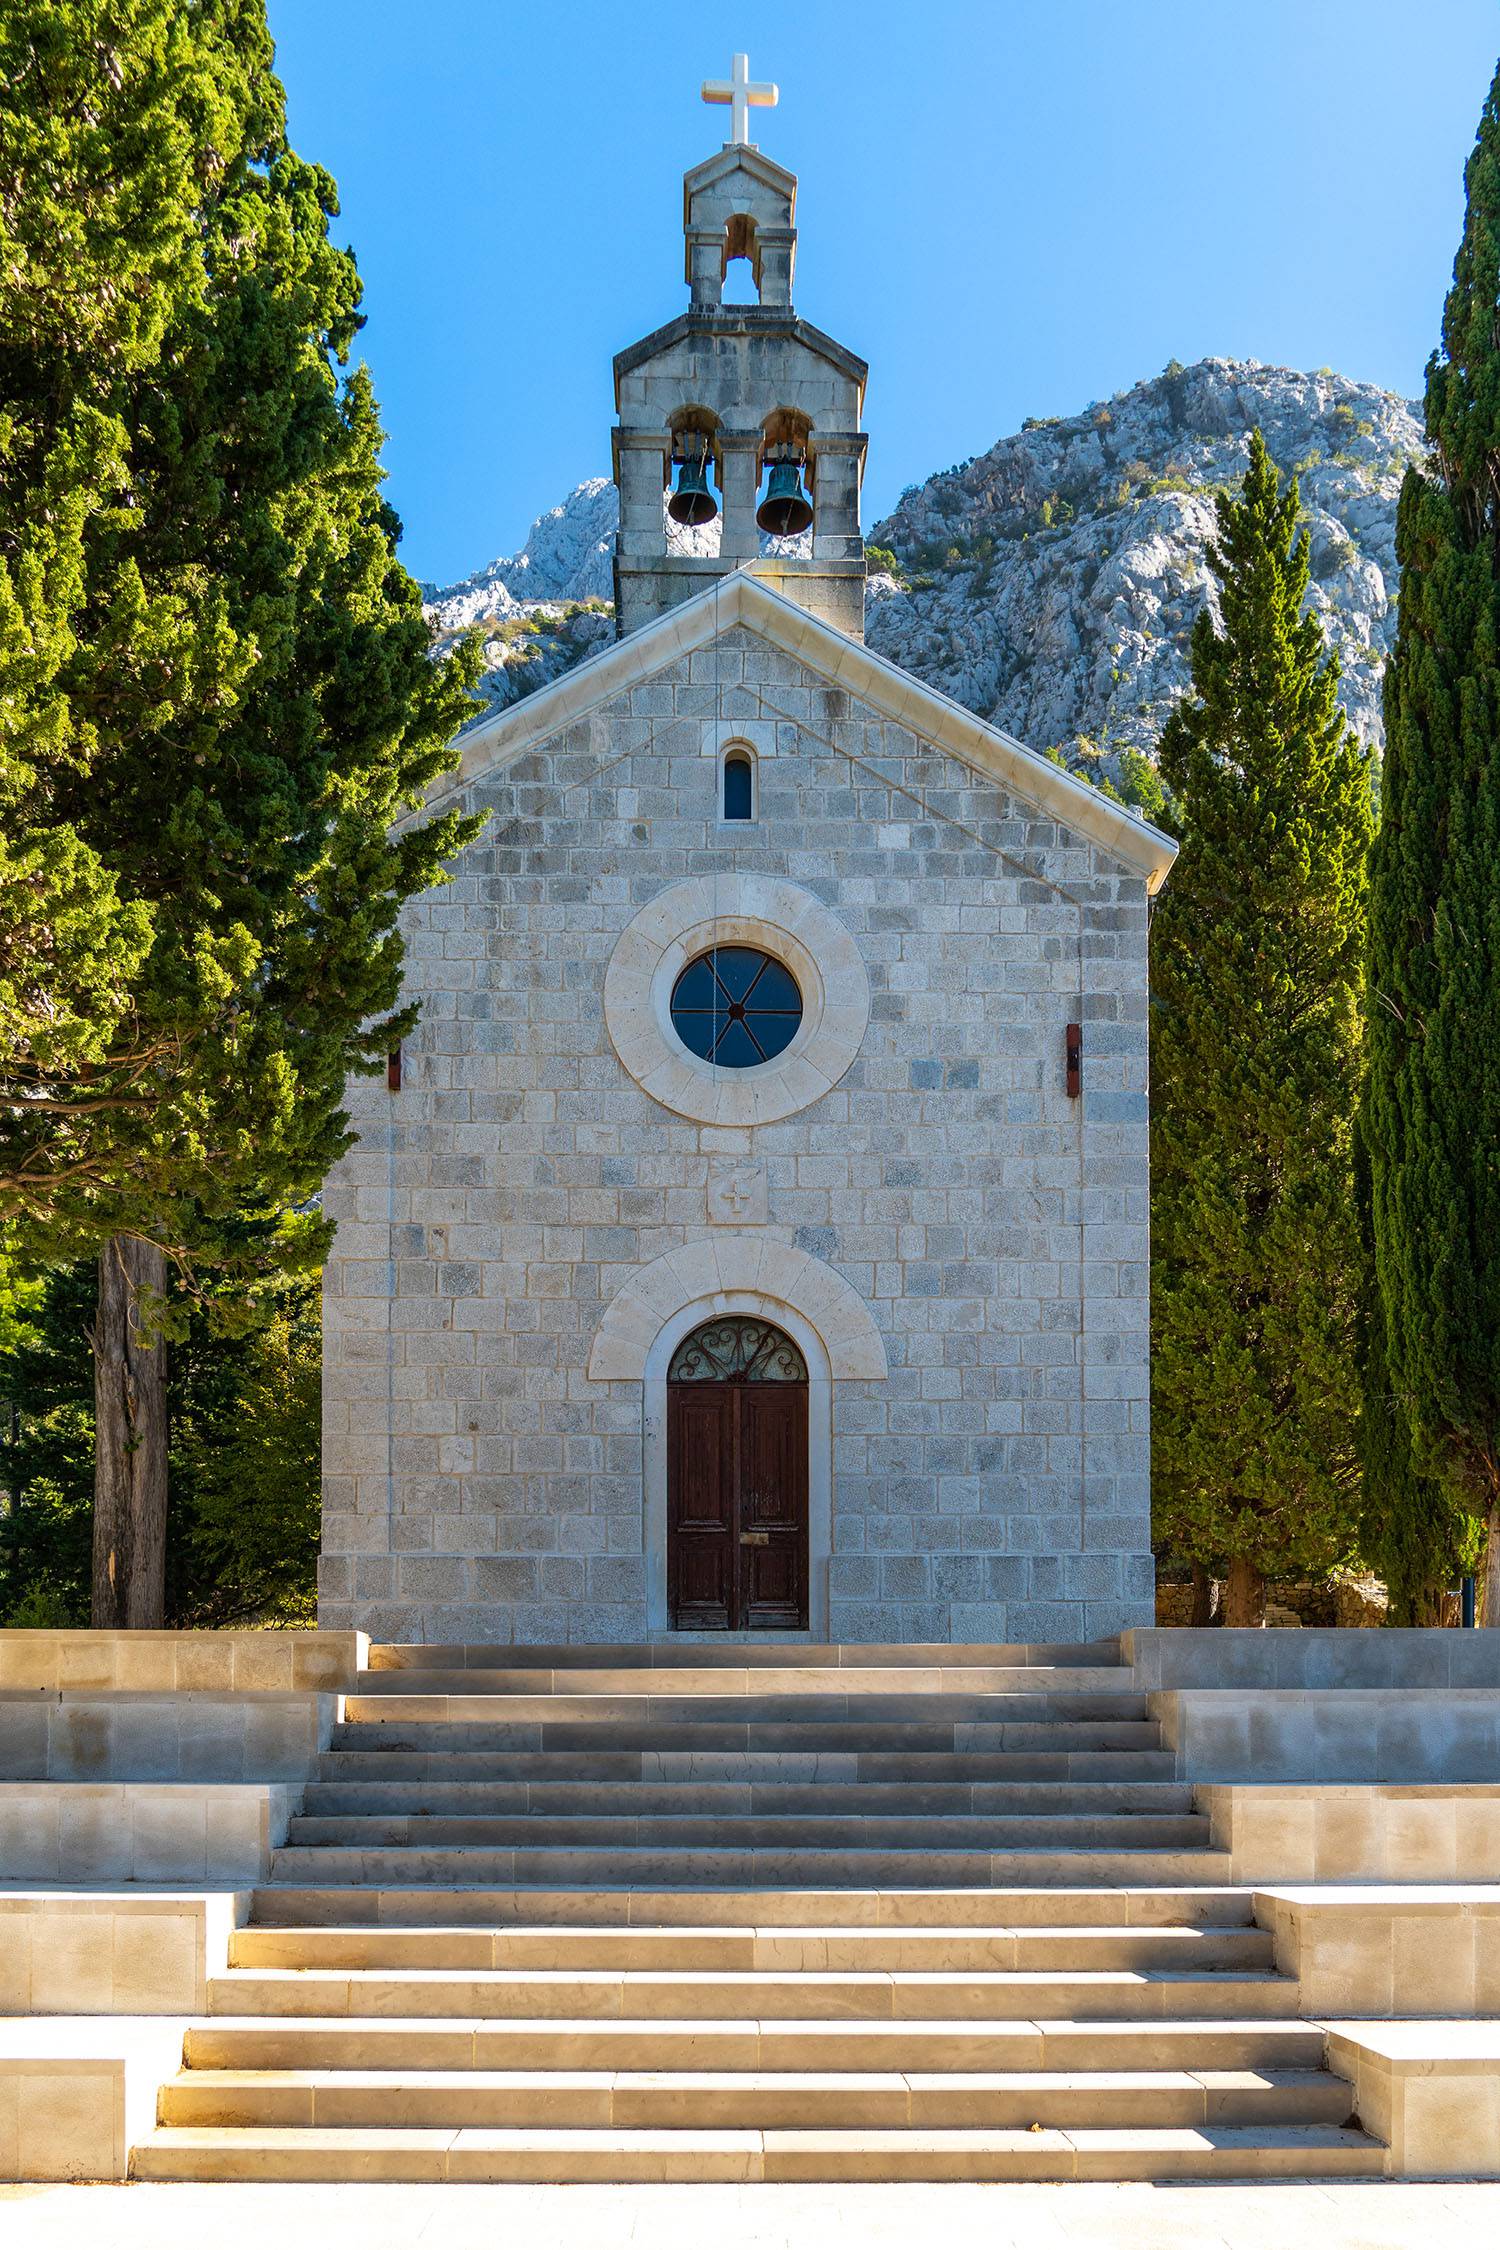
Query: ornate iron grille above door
x: 737, y: 1351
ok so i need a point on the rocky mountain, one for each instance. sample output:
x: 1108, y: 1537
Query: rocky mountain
x: 544, y: 609
x: 1051, y: 583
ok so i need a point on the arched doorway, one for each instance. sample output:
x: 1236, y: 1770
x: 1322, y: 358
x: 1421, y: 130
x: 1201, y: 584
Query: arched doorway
x: 737, y: 1481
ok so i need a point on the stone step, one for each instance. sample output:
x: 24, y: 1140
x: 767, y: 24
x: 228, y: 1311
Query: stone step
x: 1022, y: 1765
x: 376, y: 1794
x: 763, y: 1685
x: 423, y: 1705
x: 561, y: 1867
x: 725, y: 1995
x: 772, y: 1831
x: 466, y: 1726
x: 367, y: 1757
x: 953, y: 1950
x: 720, y: 1651
x: 571, y: 2154
x: 389, y: 2043
x: 283, y: 1906
x: 750, y: 2100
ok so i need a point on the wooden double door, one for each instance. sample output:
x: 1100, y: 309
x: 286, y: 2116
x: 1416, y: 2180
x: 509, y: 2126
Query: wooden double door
x: 737, y: 1480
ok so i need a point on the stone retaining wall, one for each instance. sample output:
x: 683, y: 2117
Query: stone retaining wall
x: 1396, y: 1657
x: 141, y: 1832
x: 171, y: 1663
x: 1331, y: 1734
x: 115, y: 1953
x: 83, y: 1736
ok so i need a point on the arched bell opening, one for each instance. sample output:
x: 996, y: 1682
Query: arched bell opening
x: 737, y: 1479
x: 786, y: 509
x: 695, y: 477
x: 740, y: 278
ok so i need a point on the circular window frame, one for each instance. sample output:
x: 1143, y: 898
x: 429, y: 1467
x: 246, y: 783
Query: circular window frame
x: 754, y: 1030
x: 779, y: 918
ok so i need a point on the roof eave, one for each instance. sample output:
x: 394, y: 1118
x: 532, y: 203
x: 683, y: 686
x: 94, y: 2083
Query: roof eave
x: 744, y: 598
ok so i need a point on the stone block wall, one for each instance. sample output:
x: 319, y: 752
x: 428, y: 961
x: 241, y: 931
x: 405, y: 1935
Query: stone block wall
x: 101, y: 1832
x: 89, y: 1735
x: 181, y: 1663
x: 993, y: 1486
x: 1331, y: 1734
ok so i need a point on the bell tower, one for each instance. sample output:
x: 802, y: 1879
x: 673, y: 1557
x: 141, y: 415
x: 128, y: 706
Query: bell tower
x: 750, y: 415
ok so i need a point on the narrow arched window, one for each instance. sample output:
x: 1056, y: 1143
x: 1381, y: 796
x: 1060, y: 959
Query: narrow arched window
x: 739, y: 787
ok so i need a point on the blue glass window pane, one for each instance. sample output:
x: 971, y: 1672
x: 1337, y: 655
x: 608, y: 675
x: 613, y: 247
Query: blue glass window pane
x: 775, y: 990
x: 696, y: 989
x: 738, y: 967
x: 771, y: 1033
x: 736, y: 788
x: 736, y: 1050
x: 697, y: 1033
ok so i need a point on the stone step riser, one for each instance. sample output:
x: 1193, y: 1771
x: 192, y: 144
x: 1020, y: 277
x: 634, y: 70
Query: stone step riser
x: 617, y: 2158
x: 415, y: 2044
x: 489, y: 1799
x: 601, y: 2099
x: 911, y: 1997
x: 605, y: 1908
x: 952, y: 1952
x: 667, y: 1713
x: 562, y: 1868
x: 933, y: 1832
x: 776, y: 1684
x: 391, y: 1762
x: 718, y: 1651
x: 463, y: 1729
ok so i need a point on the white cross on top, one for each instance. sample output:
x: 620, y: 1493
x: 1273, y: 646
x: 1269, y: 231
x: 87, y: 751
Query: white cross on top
x: 741, y: 96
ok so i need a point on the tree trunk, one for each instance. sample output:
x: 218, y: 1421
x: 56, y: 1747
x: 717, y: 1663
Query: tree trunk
x: 1489, y: 1584
x: 1203, y: 1596
x: 130, y: 1442
x: 1426, y: 1606
x: 1244, y: 1594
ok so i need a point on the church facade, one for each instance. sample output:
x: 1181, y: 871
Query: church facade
x: 753, y: 1236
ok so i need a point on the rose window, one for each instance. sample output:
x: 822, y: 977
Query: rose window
x: 736, y: 1007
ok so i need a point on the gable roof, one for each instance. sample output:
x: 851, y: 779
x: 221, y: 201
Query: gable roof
x: 738, y: 156
x: 740, y: 320
x: 744, y: 598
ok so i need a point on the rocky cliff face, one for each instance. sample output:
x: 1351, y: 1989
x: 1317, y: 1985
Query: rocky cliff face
x: 544, y: 609
x: 1050, y: 584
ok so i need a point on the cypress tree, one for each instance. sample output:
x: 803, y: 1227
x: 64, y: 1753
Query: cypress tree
x: 1256, y: 976
x: 1432, y: 1113
x: 218, y: 690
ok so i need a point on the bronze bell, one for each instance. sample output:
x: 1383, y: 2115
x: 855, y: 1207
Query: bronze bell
x: 692, y: 502
x: 786, y: 509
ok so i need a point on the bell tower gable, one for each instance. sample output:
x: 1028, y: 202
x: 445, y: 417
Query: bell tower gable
x: 747, y: 415
x: 739, y: 204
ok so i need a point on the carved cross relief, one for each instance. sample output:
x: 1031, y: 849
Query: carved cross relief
x: 738, y: 1194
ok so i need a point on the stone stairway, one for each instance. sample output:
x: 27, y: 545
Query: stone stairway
x: 737, y: 1912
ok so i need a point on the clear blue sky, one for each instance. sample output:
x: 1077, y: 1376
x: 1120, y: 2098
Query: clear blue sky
x: 1009, y: 207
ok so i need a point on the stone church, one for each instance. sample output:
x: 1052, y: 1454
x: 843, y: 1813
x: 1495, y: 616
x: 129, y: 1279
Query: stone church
x: 752, y: 1238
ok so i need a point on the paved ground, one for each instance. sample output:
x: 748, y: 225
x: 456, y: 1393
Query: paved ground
x: 1352, y: 2217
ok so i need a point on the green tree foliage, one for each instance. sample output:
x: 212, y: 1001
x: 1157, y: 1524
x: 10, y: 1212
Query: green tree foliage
x: 216, y: 693
x: 215, y: 682
x: 1256, y: 961
x: 244, y: 1419
x: 1140, y: 785
x: 1432, y: 1114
